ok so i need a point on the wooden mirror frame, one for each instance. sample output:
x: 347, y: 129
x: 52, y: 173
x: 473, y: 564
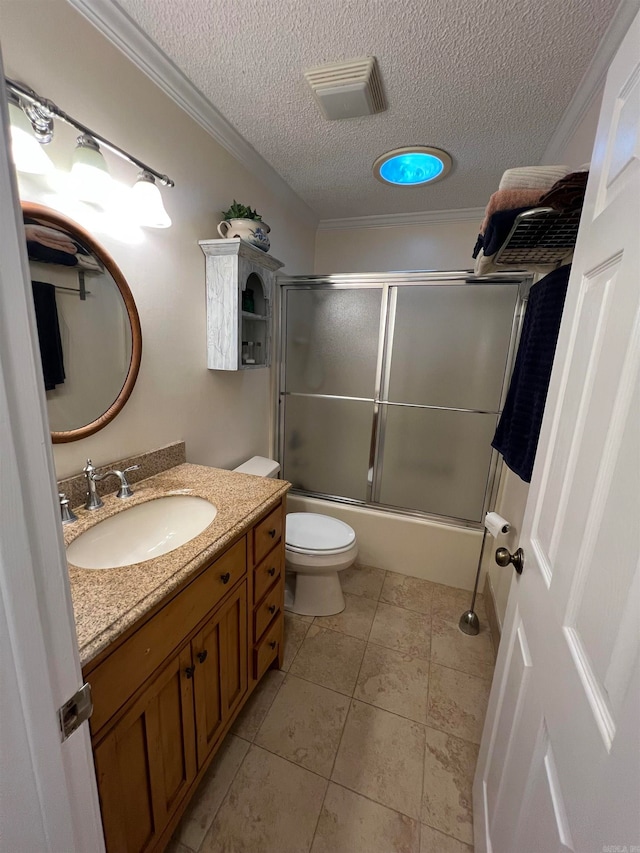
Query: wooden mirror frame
x: 57, y: 220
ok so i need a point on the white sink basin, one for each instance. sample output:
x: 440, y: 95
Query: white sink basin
x: 142, y: 532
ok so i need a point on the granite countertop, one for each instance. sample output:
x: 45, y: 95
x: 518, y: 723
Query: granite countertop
x: 108, y: 601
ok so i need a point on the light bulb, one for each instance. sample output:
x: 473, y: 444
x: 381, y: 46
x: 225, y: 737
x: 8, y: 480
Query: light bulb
x: 28, y: 154
x: 89, y: 174
x: 148, y: 204
x: 412, y: 167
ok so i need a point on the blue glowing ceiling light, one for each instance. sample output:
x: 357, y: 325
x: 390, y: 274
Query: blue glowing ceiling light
x: 412, y: 167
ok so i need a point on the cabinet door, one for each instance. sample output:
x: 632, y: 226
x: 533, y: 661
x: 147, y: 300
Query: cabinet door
x: 221, y: 665
x: 147, y: 761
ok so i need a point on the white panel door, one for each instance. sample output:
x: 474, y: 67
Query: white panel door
x: 48, y: 792
x: 559, y: 763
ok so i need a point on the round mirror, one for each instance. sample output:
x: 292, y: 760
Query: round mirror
x: 88, y: 325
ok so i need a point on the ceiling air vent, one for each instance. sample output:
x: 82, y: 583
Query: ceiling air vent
x: 348, y: 89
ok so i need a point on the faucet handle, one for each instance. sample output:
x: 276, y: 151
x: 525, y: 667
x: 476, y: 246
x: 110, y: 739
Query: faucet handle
x: 125, y: 490
x: 67, y: 514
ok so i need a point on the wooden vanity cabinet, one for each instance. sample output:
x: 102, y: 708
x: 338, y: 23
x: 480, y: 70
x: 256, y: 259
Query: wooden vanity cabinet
x: 266, y: 556
x: 219, y: 653
x: 167, y: 694
x: 147, y: 762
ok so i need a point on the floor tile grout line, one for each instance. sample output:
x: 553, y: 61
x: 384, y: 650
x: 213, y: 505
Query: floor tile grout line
x: 399, y: 651
x: 486, y: 679
x: 308, y: 624
x: 364, y: 653
x: 317, y: 684
x: 365, y: 702
x: 266, y: 714
x: 226, y: 793
x: 289, y: 761
x: 446, y: 834
x: 315, y: 829
x: 376, y: 802
x: 344, y: 726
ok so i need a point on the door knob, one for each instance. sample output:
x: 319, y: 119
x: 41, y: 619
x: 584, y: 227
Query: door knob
x: 503, y: 558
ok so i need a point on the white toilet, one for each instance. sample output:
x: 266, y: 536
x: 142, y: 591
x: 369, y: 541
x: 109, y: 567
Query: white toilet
x: 317, y: 547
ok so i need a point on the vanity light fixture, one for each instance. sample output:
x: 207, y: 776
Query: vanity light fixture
x: 147, y: 200
x: 413, y: 166
x: 32, y: 117
x: 28, y: 154
x: 89, y: 173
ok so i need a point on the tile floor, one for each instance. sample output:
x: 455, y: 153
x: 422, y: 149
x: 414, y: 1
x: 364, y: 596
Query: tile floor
x: 366, y: 740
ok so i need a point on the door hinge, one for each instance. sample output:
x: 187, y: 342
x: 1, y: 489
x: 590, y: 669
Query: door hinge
x: 75, y: 711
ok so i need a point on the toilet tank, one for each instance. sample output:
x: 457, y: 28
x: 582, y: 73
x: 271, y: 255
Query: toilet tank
x: 260, y: 466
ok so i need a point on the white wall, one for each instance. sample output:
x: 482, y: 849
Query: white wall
x: 222, y: 417
x: 444, y: 245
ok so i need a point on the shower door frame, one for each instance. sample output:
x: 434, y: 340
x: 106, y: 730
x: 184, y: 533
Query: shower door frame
x: 388, y: 284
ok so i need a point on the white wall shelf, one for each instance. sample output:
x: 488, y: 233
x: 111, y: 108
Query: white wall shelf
x: 232, y: 267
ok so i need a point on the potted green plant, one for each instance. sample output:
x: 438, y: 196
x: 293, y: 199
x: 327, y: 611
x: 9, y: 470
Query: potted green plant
x: 241, y: 221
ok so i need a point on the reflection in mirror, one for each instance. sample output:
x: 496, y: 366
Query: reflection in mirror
x: 88, y: 326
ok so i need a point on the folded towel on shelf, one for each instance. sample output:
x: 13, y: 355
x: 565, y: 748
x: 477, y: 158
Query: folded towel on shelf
x: 498, y: 229
x: 509, y: 200
x: 51, y: 238
x: 38, y: 252
x: 518, y: 430
x: 532, y: 177
x: 44, y: 301
x: 568, y: 193
x: 500, y: 224
x: 90, y: 263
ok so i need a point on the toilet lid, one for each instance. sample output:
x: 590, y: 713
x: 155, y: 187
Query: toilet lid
x: 310, y: 531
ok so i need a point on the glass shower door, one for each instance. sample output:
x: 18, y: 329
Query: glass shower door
x: 331, y: 356
x: 446, y: 356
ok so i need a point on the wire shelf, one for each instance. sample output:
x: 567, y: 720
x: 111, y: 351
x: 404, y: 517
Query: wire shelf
x: 541, y: 235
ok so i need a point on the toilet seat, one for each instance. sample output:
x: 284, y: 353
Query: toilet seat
x: 315, y: 552
x: 314, y: 534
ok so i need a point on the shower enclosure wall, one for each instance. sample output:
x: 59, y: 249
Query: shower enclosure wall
x: 391, y: 386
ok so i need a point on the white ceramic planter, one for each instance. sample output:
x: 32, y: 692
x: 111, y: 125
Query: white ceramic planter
x: 251, y: 230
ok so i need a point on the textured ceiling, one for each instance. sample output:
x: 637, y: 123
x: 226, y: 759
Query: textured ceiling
x: 487, y: 80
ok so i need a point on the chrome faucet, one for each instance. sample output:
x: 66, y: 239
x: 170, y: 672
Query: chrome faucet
x: 94, y: 501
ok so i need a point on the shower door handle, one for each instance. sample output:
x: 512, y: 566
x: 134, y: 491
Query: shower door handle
x: 503, y: 558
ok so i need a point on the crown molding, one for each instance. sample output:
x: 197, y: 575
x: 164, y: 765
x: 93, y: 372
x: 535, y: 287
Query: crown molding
x: 394, y: 220
x: 123, y: 32
x: 592, y: 81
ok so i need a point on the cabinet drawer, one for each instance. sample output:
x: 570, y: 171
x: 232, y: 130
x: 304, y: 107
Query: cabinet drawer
x: 267, y: 533
x: 118, y: 676
x: 267, y: 610
x: 266, y: 573
x: 268, y: 648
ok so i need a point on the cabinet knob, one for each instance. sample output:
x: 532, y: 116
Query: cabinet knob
x: 272, y: 533
x: 271, y: 572
x: 273, y: 644
x: 189, y: 671
x: 226, y: 577
x: 202, y: 656
x: 272, y: 609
